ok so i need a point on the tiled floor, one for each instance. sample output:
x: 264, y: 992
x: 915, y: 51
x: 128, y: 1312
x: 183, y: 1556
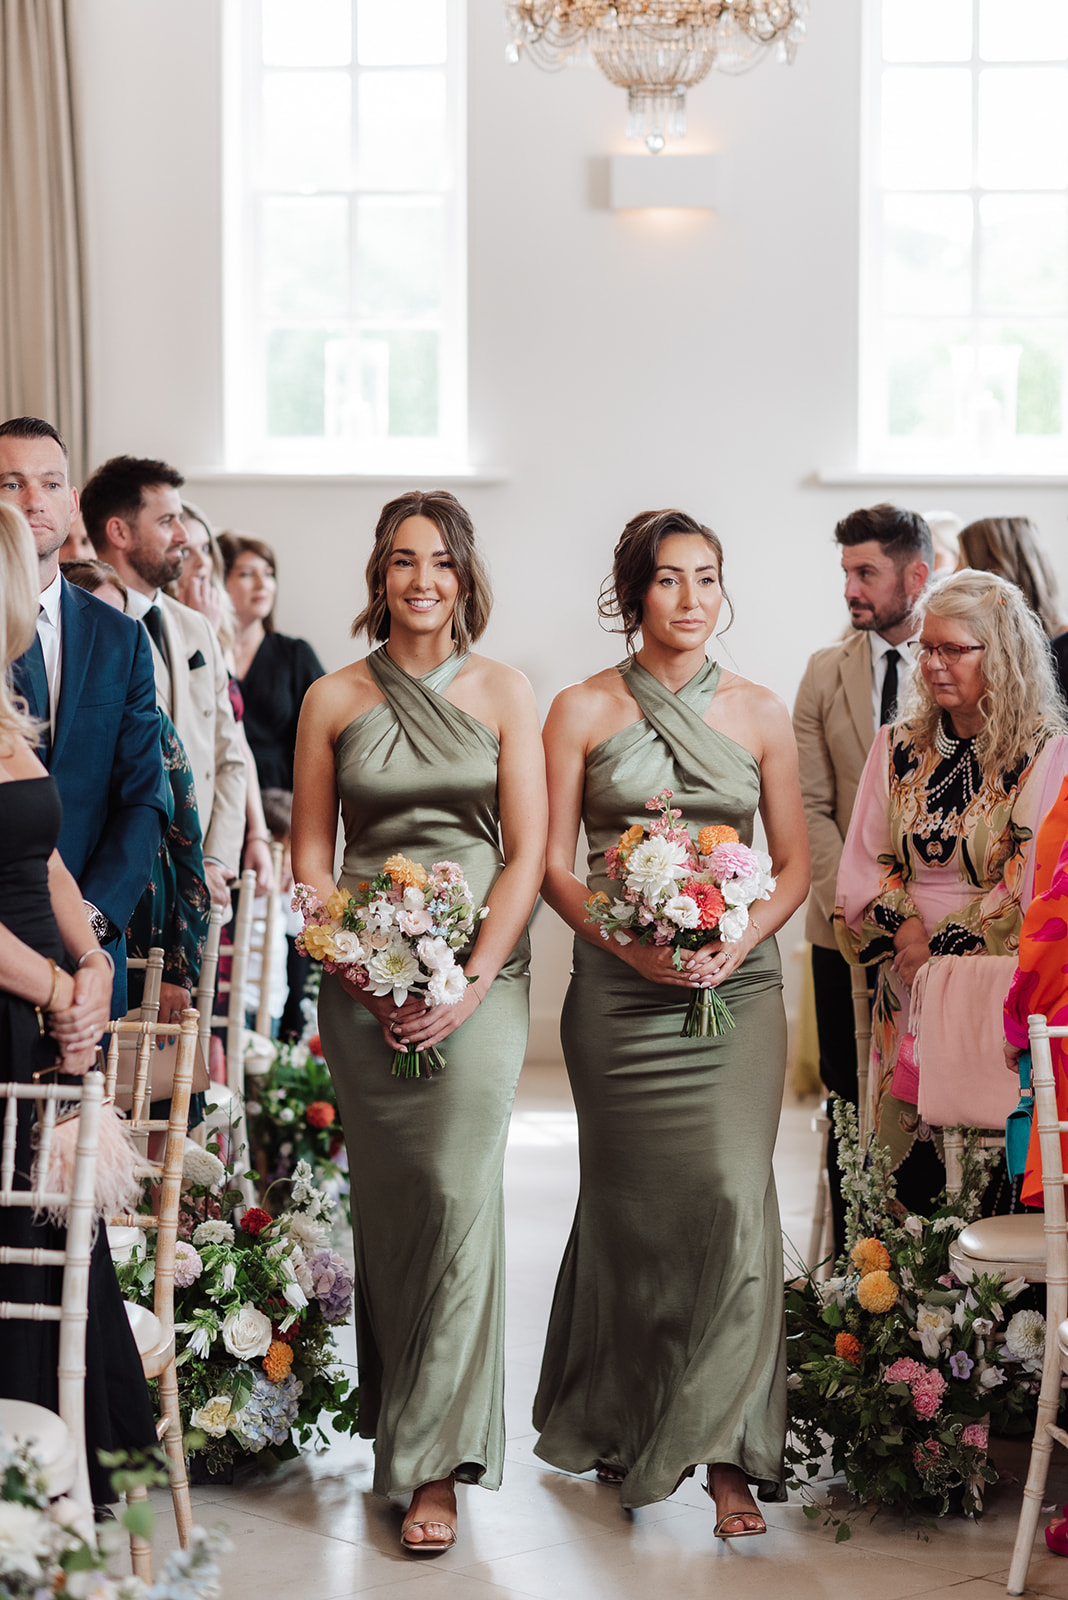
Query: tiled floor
x: 315, y: 1531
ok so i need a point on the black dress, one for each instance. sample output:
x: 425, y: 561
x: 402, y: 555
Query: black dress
x: 273, y: 689
x: 118, y: 1413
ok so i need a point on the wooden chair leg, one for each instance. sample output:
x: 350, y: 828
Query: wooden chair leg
x: 140, y: 1549
x: 172, y: 1443
x: 1038, y: 1468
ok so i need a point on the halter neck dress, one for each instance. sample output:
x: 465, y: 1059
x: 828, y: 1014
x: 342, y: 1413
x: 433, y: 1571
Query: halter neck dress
x: 666, y: 1345
x: 418, y: 775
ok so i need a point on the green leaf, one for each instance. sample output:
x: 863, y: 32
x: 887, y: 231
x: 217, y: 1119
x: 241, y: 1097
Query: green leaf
x: 844, y: 1532
x: 138, y: 1518
x: 811, y: 1512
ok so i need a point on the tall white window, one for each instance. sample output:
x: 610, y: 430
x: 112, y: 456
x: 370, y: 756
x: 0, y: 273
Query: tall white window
x: 346, y: 234
x: 964, y: 319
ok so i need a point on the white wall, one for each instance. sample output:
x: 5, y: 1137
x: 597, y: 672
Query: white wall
x: 617, y: 361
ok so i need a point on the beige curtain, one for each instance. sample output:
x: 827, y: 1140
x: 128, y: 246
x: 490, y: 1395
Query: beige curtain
x: 42, y: 366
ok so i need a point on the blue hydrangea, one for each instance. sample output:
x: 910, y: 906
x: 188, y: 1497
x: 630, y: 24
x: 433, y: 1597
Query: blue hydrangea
x: 269, y: 1412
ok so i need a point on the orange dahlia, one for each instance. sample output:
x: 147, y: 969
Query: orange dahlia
x: 716, y: 833
x: 848, y: 1348
x: 710, y: 903
x: 278, y: 1360
x: 870, y: 1255
x: 877, y: 1291
x: 403, y: 870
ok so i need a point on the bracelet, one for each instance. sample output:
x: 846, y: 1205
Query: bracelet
x: 756, y: 925
x: 53, y: 997
x: 95, y: 950
x: 257, y: 838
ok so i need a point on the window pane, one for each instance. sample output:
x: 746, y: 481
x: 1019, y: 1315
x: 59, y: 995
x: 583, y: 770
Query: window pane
x: 382, y: 385
x: 399, y: 257
x: 917, y: 30
x: 401, y: 142
x: 394, y: 34
x: 920, y: 378
x: 315, y: 33
x: 927, y: 243
x: 1037, y: 357
x: 306, y: 130
x: 413, y: 384
x: 295, y: 367
x: 305, y: 245
x: 1024, y: 252
x: 1023, y: 128
x: 927, y: 132
x: 1023, y: 30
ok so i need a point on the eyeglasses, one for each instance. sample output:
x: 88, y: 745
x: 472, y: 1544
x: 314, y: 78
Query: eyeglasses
x: 949, y: 654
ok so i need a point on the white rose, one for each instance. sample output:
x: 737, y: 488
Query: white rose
x: 447, y: 988
x: 733, y: 923
x: 393, y: 970
x: 413, y: 899
x: 415, y: 922
x: 913, y: 1226
x: 348, y: 947
x: 682, y: 911
x: 246, y: 1333
x: 214, y: 1416
x: 655, y: 865
x: 435, y: 954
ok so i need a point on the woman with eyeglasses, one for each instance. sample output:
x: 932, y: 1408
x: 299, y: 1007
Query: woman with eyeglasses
x: 938, y: 860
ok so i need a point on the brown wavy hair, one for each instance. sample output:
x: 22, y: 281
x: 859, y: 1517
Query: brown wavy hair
x: 1021, y: 699
x: 475, y: 600
x: 1011, y: 547
x: 232, y: 545
x: 634, y: 567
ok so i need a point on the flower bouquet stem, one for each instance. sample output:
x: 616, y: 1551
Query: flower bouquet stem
x: 707, y: 1016
x: 418, y: 1063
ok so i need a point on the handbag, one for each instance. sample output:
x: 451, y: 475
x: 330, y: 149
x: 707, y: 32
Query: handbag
x: 1018, y: 1122
x: 164, y: 1057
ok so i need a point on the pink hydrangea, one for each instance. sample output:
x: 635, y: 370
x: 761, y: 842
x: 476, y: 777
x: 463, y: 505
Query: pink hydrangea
x: 187, y: 1264
x: 976, y: 1434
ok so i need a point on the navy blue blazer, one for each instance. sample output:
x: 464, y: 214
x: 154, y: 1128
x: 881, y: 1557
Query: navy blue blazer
x: 106, y: 759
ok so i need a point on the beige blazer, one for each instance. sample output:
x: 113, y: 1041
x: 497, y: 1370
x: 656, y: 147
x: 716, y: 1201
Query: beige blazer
x: 835, y: 727
x: 195, y: 695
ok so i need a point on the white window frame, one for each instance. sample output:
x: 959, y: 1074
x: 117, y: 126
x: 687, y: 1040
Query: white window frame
x: 877, y: 449
x: 248, y: 447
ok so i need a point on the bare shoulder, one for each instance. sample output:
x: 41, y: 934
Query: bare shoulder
x: 338, y: 698
x: 507, y: 685
x: 750, y: 713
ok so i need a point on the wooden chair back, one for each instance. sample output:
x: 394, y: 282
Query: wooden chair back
x: 204, y: 996
x: 152, y: 967
x: 234, y: 986
x: 268, y: 944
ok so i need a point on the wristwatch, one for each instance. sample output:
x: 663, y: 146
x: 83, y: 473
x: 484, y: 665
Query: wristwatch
x: 100, y: 924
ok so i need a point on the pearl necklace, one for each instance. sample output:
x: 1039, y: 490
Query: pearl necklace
x: 947, y: 746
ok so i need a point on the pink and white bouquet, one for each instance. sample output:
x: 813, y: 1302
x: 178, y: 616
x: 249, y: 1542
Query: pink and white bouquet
x: 397, y: 935
x: 683, y: 893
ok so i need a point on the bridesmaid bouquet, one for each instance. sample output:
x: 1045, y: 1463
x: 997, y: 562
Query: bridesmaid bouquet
x: 397, y: 935
x: 684, y: 894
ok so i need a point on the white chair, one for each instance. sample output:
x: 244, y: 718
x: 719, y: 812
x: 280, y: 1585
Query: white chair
x: 268, y: 944
x: 59, y: 1442
x: 1055, y: 1262
x: 821, y: 1238
x: 154, y: 1330
x: 152, y: 967
x: 204, y: 997
x: 862, y: 1032
x: 225, y: 1103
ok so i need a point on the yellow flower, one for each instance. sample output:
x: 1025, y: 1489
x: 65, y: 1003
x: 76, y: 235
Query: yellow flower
x: 877, y: 1291
x: 598, y: 899
x: 319, y: 943
x: 848, y: 1348
x: 335, y: 906
x: 214, y: 1416
x: 634, y: 835
x: 716, y: 833
x: 410, y: 873
x: 870, y: 1255
x: 278, y: 1360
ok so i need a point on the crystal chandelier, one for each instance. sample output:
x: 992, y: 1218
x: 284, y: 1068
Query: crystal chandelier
x: 654, y: 49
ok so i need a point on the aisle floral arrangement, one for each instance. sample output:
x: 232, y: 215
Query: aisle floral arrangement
x: 294, y: 1118
x: 684, y: 894
x: 257, y: 1299
x: 47, y: 1552
x: 397, y: 935
x: 898, y: 1370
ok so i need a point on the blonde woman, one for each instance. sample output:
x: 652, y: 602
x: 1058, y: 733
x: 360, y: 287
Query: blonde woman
x: 55, y: 1000
x: 939, y: 855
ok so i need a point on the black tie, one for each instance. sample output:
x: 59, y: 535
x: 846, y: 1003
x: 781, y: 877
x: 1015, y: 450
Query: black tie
x: 154, y: 623
x: 888, y: 704
x: 35, y: 686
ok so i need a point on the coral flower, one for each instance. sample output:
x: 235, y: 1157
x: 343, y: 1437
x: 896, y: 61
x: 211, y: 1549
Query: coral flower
x: 870, y: 1255
x: 848, y: 1348
x: 315, y: 1046
x: 402, y: 870
x: 255, y: 1220
x: 278, y: 1360
x: 634, y: 835
x: 320, y: 1113
x: 716, y: 833
x: 710, y: 903
x: 877, y: 1291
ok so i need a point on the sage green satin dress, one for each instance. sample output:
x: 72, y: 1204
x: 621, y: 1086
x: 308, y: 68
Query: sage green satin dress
x: 416, y: 774
x: 666, y: 1344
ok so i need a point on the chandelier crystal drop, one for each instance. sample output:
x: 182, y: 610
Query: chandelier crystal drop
x: 653, y: 49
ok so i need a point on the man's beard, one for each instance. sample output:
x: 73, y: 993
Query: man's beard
x: 892, y: 615
x: 156, y: 570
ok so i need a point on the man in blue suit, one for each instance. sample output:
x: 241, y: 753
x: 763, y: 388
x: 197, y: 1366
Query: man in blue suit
x: 89, y: 677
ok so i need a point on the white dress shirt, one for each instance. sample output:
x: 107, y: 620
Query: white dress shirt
x: 879, y: 651
x: 49, y: 631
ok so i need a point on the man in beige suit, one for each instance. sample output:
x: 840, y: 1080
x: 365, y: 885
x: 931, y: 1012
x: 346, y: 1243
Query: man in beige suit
x: 847, y: 691
x: 133, y: 514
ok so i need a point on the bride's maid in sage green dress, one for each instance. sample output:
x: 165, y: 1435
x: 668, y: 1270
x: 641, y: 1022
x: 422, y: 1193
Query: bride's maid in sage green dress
x: 666, y: 1346
x: 432, y: 751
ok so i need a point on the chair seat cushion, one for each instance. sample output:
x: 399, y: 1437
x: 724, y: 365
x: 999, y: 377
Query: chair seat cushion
x: 1014, y: 1245
x: 24, y: 1424
x: 154, y: 1346
x: 125, y: 1243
